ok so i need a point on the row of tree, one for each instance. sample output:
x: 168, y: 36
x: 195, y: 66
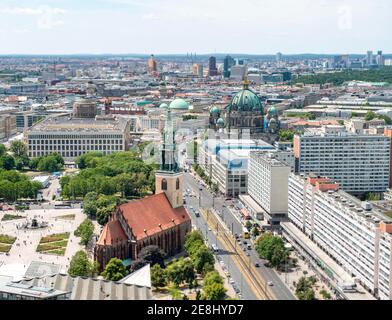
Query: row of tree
x: 200, y: 172
x: 14, y: 186
x: 203, y: 262
x: 338, y: 78
x: 177, y: 272
x: 20, y: 159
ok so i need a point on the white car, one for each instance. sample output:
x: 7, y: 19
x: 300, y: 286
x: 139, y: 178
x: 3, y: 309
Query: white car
x: 270, y: 283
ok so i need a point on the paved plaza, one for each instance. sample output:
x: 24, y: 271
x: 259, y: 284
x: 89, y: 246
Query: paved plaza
x: 23, y: 250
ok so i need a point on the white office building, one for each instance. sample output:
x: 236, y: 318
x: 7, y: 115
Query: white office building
x: 356, y: 235
x: 268, y: 185
x: 71, y: 137
x: 225, y: 162
x: 358, y: 162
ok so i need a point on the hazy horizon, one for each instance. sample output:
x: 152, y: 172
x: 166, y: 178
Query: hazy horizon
x: 255, y: 27
x: 185, y: 54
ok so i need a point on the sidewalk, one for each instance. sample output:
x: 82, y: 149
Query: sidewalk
x: 332, y: 272
x: 230, y: 290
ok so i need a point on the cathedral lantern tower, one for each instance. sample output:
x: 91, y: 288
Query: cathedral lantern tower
x: 169, y: 178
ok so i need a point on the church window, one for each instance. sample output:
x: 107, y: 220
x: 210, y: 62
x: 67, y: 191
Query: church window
x: 164, y: 184
x: 177, y: 184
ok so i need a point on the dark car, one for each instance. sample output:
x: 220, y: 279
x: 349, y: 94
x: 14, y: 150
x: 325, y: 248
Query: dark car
x: 257, y: 265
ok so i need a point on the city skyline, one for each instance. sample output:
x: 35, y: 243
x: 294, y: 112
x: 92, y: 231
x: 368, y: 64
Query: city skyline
x: 136, y: 27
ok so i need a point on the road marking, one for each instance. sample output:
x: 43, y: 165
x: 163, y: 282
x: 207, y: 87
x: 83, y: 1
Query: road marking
x: 252, y: 277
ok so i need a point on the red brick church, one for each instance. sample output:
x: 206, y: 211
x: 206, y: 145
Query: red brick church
x: 160, y: 219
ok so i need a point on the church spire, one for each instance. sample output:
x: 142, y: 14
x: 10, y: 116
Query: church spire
x: 169, y: 178
x: 168, y: 149
x: 246, y: 81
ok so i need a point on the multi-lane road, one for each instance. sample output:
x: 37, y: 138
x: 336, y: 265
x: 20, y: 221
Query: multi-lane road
x: 205, y: 199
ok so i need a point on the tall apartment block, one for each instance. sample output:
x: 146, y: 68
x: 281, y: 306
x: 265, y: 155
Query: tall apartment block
x: 268, y: 185
x: 356, y: 235
x: 359, y: 163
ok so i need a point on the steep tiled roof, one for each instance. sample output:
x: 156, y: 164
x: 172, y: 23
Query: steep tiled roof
x: 150, y: 212
x: 112, y: 232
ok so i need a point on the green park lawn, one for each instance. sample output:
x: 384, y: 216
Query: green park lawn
x: 6, y: 242
x: 54, y: 244
x: 55, y: 237
x: 9, y: 217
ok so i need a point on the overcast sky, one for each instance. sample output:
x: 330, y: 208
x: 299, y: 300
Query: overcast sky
x: 201, y: 26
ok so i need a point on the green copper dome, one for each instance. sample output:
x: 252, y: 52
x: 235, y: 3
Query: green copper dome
x: 272, y: 111
x: 220, y: 122
x: 215, y: 110
x: 164, y: 106
x: 245, y: 100
x: 179, y: 104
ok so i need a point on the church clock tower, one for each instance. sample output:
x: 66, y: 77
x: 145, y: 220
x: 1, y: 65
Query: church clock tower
x: 169, y: 178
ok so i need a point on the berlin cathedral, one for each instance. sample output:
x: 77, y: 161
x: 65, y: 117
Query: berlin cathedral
x: 245, y: 112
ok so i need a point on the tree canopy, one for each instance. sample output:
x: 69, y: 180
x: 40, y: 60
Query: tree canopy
x: 180, y: 270
x: 383, y: 74
x: 114, y: 270
x: 121, y: 172
x: 304, y: 288
x: 158, y: 276
x: 152, y: 255
x: 272, y: 248
x: 81, y: 265
x: 14, y: 185
x: 85, y: 231
x: 215, y: 291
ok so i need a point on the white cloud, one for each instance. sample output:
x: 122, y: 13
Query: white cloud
x: 47, y: 17
x: 32, y: 11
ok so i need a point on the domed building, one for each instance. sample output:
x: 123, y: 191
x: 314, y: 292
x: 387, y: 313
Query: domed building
x: 245, y: 112
x: 272, y: 123
x: 179, y: 104
x: 215, y: 114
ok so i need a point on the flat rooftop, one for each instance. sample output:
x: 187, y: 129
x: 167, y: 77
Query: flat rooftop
x: 268, y: 157
x: 354, y: 205
x: 30, y: 290
x: 57, y: 124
